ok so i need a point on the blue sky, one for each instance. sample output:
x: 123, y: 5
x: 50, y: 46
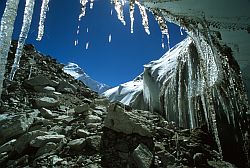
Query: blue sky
x: 111, y: 63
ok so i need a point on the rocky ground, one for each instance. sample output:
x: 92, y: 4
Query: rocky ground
x: 48, y: 119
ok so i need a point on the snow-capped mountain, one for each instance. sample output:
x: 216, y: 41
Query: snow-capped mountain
x: 77, y: 72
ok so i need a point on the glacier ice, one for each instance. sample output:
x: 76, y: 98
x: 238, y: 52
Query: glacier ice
x: 6, y: 30
x: 44, y: 9
x: 27, y: 18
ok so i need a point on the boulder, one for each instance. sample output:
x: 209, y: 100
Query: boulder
x: 13, y: 125
x: 47, y: 148
x: 81, y: 133
x: 142, y: 156
x: 77, y: 144
x: 66, y: 87
x: 40, y: 80
x: 47, y: 102
x: 82, y: 109
x: 23, y: 142
x: 92, y: 119
x: 46, y: 89
x: 118, y: 119
x: 94, y: 142
x: 8, y: 147
x: 42, y: 140
x: 46, y: 113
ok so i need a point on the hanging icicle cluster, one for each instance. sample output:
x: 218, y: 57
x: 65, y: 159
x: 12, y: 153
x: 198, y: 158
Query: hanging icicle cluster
x: 163, y: 26
x: 44, y: 9
x: 119, y: 11
x: 28, y: 13
x: 6, y: 30
x: 143, y: 13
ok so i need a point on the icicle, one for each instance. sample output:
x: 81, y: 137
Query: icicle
x: 110, y: 38
x: 28, y: 12
x: 43, y: 13
x: 162, y: 24
x: 6, y: 30
x: 119, y: 10
x: 87, y: 45
x: 76, y: 42
x: 181, y: 31
x: 91, y: 5
x: 111, y: 12
x: 123, y: 2
x: 87, y: 30
x: 131, y: 13
x: 78, y: 30
x: 144, y: 16
x: 83, y: 9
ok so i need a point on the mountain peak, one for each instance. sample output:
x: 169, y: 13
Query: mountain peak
x: 78, y: 73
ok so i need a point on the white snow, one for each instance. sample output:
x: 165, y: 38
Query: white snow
x: 75, y: 71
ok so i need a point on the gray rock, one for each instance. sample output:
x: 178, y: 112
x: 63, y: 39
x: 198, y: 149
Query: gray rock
x: 94, y: 142
x: 47, y: 113
x: 46, y: 89
x: 142, y: 156
x: 8, y: 147
x: 40, y: 80
x: 92, y: 119
x: 42, y: 140
x: 220, y: 164
x: 13, y: 125
x: 81, y: 133
x: 54, y: 159
x: 3, y: 157
x: 82, y: 109
x: 65, y: 86
x: 47, y: 102
x: 77, y: 144
x: 120, y: 120
x: 47, y: 148
x: 23, y: 142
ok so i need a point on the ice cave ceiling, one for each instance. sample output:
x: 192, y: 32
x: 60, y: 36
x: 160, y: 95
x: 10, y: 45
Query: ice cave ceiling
x: 229, y: 17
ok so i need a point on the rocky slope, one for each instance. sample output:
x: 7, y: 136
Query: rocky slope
x: 78, y: 73
x: 49, y: 119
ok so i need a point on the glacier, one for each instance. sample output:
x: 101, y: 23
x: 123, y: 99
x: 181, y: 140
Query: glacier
x: 78, y: 73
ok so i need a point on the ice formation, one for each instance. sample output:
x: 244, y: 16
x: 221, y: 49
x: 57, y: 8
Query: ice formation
x: 119, y: 11
x: 87, y: 46
x: 91, y: 5
x: 163, y: 26
x: 6, y: 30
x: 83, y: 9
x: 131, y: 14
x: 44, y: 9
x: 27, y: 18
x: 110, y: 38
x: 143, y: 13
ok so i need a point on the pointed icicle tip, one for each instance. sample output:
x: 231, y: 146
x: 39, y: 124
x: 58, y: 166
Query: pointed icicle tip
x: 110, y: 38
x: 87, y: 46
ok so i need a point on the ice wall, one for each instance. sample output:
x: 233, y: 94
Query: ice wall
x: 197, y: 93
